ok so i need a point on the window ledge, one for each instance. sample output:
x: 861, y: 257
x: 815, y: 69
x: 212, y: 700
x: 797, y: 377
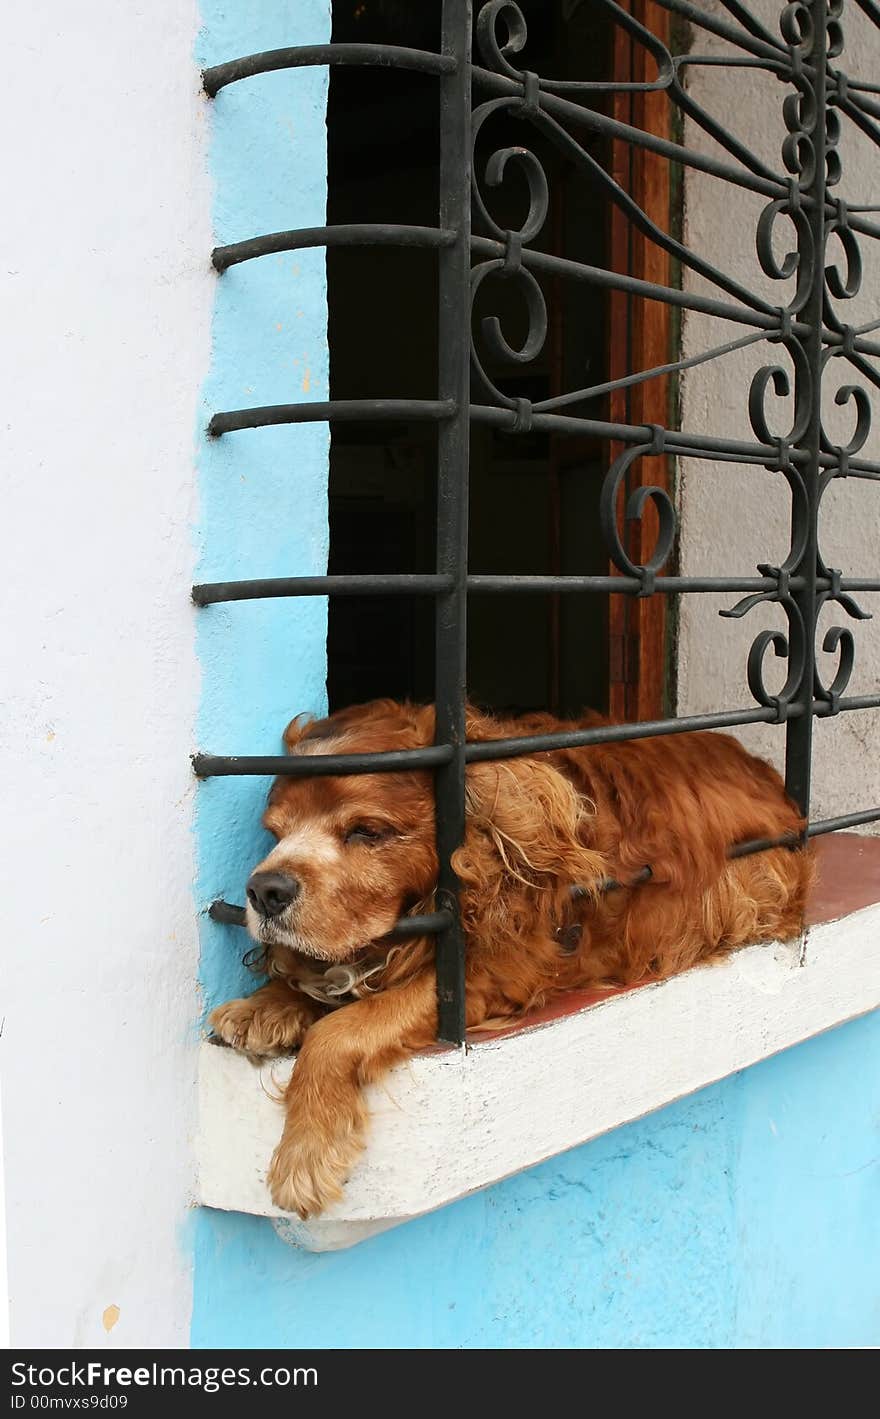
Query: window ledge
x: 447, y: 1123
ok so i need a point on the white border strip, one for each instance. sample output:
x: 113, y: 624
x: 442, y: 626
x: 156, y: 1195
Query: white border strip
x: 4, y: 1274
x: 446, y: 1124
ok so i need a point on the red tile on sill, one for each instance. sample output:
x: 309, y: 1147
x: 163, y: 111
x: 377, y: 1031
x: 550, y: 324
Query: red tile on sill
x: 849, y: 876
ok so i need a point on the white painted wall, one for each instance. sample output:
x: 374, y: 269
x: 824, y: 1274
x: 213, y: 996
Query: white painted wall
x: 107, y: 292
x: 4, y: 1277
x: 733, y: 517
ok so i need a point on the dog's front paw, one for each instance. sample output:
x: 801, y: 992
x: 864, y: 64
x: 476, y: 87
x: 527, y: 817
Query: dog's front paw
x: 308, y: 1171
x: 261, y: 1028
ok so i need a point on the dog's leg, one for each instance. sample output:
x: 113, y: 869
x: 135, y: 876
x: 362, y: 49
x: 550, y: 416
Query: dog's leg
x: 326, y: 1116
x: 270, y: 1022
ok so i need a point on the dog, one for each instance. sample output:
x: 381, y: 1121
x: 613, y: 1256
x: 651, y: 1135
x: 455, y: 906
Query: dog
x: 602, y: 866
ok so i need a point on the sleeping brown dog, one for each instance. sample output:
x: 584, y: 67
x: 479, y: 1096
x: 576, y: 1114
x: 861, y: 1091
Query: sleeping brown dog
x: 545, y: 837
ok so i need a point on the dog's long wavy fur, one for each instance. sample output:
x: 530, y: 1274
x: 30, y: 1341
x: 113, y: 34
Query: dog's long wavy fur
x: 536, y: 828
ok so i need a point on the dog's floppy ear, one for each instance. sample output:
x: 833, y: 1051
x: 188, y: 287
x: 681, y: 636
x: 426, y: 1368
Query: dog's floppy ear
x: 535, y: 820
x: 296, y: 730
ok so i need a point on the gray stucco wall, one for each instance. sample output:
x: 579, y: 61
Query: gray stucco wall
x: 734, y: 516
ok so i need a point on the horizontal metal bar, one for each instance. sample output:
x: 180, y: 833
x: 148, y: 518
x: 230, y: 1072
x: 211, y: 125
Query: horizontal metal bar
x: 365, y: 234
x: 227, y: 913
x: 682, y: 444
x: 320, y: 765
x: 749, y: 849
x: 423, y: 410
x: 846, y: 820
x: 823, y: 708
x: 668, y: 585
x: 208, y: 593
x: 230, y: 915
x: 630, y: 585
x: 491, y: 749
x: 386, y: 56
x: 416, y: 584
x: 385, y: 584
x: 428, y: 924
x: 437, y: 410
x: 358, y: 234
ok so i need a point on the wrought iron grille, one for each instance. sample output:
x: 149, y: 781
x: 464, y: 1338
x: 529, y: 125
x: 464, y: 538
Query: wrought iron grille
x: 817, y: 97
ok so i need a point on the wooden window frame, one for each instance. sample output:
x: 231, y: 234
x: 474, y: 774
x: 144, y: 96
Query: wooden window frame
x: 639, y: 337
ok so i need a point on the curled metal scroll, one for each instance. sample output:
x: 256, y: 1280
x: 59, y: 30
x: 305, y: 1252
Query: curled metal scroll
x: 778, y: 377
x: 646, y: 572
x: 496, y: 55
x: 502, y: 162
x: 791, y: 648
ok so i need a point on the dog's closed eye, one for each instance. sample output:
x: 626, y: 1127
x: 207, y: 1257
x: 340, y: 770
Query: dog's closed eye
x: 368, y: 833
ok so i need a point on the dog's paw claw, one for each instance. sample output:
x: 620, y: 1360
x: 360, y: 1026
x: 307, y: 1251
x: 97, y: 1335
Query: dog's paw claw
x: 259, y: 1030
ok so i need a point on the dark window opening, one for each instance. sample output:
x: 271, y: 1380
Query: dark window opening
x: 533, y: 498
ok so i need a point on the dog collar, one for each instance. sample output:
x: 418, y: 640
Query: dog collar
x: 342, y: 984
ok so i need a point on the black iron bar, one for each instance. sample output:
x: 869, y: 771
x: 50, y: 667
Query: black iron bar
x: 491, y: 749
x: 423, y: 410
x: 227, y: 914
x: 345, y: 234
x: 846, y: 820
x: 690, y: 445
x: 377, y: 584
x: 321, y: 765
x: 453, y: 454
x: 479, y: 751
x: 407, y: 583
x: 436, y: 411
x: 627, y: 585
x: 595, y: 391
x: 823, y: 708
x: 386, y: 56
x: 757, y: 845
x: 808, y: 414
x: 427, y: 924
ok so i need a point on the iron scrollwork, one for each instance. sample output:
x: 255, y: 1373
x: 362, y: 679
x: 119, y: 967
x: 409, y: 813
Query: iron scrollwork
x: 807, y: 334
x: 810, y: 35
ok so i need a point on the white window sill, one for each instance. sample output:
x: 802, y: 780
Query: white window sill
x: 447, y: 1123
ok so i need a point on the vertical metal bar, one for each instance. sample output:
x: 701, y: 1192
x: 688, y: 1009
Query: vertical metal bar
x: 799, y: 731
x: 452, y: 498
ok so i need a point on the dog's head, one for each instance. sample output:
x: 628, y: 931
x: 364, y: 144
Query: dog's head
x: 355, y: 853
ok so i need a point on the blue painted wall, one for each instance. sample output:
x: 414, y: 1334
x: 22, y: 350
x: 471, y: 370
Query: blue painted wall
x: 745, y: 1215
x: 262, y: 492
x: 741, y: 1216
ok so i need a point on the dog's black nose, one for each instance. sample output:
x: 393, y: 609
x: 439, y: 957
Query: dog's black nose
x: 270, y: 892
